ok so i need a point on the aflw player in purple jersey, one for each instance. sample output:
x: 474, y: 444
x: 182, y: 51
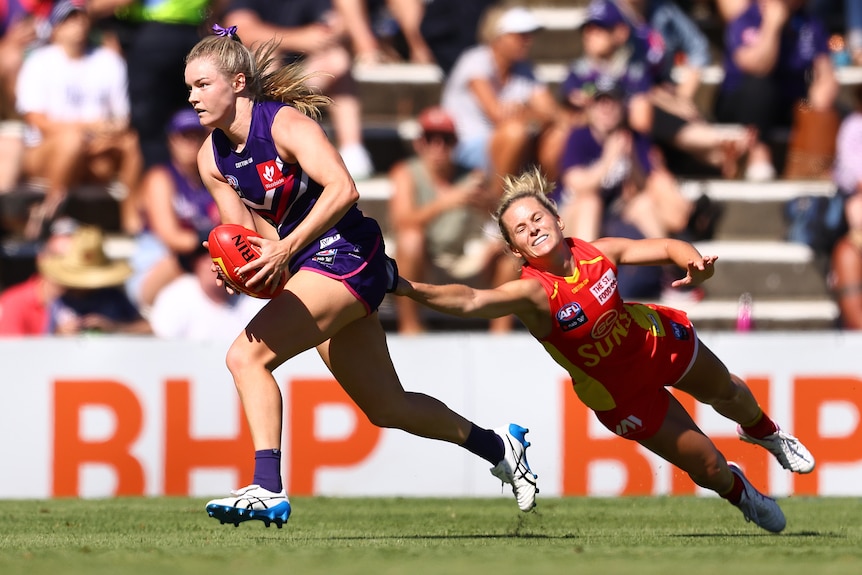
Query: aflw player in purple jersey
x: 270, y: 167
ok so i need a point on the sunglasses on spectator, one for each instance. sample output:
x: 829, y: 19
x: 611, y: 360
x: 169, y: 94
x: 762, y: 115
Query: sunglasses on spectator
x: 445, y: 138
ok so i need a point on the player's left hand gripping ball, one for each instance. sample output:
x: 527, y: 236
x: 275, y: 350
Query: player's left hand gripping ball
x: 230, y: 249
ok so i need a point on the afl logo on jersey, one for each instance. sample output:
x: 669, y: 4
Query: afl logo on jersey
x: 234, y: 183
x: 270, y: 175
x: 571, y: 316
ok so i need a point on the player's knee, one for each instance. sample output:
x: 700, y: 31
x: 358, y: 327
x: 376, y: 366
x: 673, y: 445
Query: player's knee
x: 239, y: 359
x: 391, y: 412
x: 383, y: 416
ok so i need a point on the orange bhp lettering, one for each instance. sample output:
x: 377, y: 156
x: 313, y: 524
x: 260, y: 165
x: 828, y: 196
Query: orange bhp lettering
x: 810, y: 395
x: 754, y: 460
x: 183, y: 453
x: 580, y: 450
x: 307, y: 452
x: 71, y: 451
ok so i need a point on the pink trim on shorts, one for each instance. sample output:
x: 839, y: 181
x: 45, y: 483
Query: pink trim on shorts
x: 343, y: 278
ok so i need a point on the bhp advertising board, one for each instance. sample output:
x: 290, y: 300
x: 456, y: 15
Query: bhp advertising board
x: 99, y: 417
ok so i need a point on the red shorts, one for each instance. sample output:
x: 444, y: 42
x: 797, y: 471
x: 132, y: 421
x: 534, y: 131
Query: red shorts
x: 641, y: 409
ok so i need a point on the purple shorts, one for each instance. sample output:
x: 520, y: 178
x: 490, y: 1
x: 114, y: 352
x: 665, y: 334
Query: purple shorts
x: 355, y: 256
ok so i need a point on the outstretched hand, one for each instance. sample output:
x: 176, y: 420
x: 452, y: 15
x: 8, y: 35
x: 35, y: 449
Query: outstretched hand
x: 697, y: 272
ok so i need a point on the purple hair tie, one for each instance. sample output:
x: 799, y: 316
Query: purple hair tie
x: 230, y: 31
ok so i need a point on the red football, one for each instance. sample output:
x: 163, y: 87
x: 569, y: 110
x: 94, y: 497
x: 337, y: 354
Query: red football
x: 230, y: 249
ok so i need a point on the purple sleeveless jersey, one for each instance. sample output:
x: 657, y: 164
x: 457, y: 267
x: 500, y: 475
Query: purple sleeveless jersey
x: 283, y: 194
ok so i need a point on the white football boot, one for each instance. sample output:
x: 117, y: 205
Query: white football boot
x: 757, y: 507
x: 251, y: 502
x: 788, y: 450
x: 513, y: 468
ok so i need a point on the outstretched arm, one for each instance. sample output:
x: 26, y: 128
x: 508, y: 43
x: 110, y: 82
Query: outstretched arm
x: 663, y: 251
x: 524, y: 298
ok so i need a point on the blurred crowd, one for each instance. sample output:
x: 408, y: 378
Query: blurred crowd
x: 92, y: 95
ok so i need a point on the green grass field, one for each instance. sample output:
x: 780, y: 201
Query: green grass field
x: 643, y: 536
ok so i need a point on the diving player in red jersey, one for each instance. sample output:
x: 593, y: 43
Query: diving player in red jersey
x: 270, y: 167
x: 622, y: 356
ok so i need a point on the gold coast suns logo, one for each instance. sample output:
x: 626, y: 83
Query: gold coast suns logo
x: 270, y: 175
x: 608, y: 332
x: 605, y: 324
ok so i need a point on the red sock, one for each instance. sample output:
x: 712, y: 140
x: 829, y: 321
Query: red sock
x: 761, y: 428
x: 735, y: 492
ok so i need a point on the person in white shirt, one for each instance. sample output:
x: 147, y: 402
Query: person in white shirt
x: 193, y: 307
x: 74, y: 100
x: 504, y: 114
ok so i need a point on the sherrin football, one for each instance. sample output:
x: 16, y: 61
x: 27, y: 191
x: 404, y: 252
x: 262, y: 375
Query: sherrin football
x: 230, y: 249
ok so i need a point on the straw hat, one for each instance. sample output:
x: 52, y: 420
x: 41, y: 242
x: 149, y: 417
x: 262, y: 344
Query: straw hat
x: 85, y: 265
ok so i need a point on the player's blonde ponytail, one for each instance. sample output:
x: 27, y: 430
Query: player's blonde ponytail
x: 265, y: 77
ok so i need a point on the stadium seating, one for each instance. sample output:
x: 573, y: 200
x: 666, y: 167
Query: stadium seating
x: 785, y: 279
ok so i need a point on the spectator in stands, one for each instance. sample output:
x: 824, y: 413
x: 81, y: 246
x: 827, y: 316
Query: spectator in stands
x: 847, y: 170
x: 154, y: 37
x: 377, y: 27
x: 775, y: 57
x: 502, y: 112
x: 19, y: 23
x: 730, y: 10
x: 359, y: 17
x: 439, y: 213
x: 179, y: 212
x: 93, y: 298
x: 669, y: 39
x: 612, y: 186
x: 194, y: 307
x: 310, y: 31
x: 77, y: 117
x: 24, y: 306
x: 409, y: 15
x: 431, y: 31
x: 627, y: 47
x: 420, y: 31
x: 846, y: 268
x: 851, y: 18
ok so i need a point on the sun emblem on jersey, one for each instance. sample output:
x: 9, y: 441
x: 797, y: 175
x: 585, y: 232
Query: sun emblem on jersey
x: 605, y: 324
x: 270, y: 175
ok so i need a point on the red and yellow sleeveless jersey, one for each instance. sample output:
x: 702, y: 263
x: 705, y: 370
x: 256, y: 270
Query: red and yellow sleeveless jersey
x: 611, y: 349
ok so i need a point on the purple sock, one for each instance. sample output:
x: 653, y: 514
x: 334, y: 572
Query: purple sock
x: 267, y: 469
x: 486, y: 444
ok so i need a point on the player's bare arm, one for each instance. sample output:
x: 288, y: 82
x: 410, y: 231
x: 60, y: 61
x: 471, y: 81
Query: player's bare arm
x: 301, y: 139
x: 230, y: 207
x: 524, y: 298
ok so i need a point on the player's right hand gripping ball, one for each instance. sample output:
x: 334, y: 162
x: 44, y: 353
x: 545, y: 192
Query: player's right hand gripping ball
x: 230, y: 249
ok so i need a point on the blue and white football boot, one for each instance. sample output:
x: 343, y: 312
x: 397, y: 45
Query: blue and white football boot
x: 513, y: 468
x: 251, y: 502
